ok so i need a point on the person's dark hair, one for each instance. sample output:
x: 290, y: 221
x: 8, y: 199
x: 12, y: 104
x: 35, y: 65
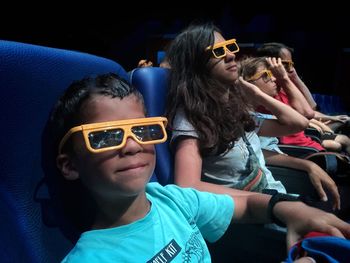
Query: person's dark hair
x: 77, y: 204
x: 217, y: 110
x: 66, y: 112
x: 272, y: 49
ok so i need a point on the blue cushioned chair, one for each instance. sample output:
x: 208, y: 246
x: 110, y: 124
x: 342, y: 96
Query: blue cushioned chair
x: 31, y: 78
x: 152, y: 83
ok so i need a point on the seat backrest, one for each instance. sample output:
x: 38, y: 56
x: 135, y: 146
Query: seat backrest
x: 32, y: 78
x: 152, y: 82
x: 330, y: 104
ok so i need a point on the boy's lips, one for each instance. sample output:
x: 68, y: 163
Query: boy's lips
x: 132, y: 167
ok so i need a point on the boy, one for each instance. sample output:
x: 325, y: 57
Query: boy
x: 105, y: 147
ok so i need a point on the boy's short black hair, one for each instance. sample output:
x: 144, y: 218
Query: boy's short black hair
x: 65, y: 114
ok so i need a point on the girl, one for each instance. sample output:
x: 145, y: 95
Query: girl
x: 215, y: 139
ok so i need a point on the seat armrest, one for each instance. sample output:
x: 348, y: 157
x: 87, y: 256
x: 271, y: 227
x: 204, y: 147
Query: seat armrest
x: 313, y: 134
x: 297, y: 151
x: 295, y: 181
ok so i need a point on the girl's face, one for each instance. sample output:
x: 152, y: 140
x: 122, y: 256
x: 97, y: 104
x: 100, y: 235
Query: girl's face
x: 115, y: 173
x: 286, y: 57
x: 225, y: 68
x: 265, y: 81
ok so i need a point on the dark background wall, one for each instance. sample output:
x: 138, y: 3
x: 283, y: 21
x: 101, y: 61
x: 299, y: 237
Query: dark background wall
x: 321, y: 43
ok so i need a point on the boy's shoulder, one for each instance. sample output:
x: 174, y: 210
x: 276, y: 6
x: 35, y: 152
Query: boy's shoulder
x: 157, y: 190
x: 187, y: 198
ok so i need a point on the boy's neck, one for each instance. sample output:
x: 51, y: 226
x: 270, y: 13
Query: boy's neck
x: 122, y: 212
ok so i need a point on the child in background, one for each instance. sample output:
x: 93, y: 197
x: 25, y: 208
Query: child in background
x: 340, y: 123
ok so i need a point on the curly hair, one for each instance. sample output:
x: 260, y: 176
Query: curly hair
x: 217, y: 110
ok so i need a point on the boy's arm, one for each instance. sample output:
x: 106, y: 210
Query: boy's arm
x: 299, y: 218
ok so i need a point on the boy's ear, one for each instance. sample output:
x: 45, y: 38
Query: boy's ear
x: 66, y: 165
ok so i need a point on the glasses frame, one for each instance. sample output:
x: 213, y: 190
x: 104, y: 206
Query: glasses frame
x: 125, y: 125
x: 224, y: 45
x: 259, y: 74
x: 289, y: 66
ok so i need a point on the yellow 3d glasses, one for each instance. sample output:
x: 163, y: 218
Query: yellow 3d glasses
x: 265, y: 75
x: 288, y: 65
x: 112, y: 135
x: 219, y: 49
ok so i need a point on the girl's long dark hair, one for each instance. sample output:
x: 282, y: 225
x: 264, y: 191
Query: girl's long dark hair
x: 218, y: 111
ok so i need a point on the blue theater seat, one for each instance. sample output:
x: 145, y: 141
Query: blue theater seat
x: 329, y: 104
x: 152, y: 83
x: 31, y: 78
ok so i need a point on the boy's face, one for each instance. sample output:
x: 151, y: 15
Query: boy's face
x: 114, y: 173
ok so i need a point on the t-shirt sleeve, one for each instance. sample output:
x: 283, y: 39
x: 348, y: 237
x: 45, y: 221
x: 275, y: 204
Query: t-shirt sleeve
x: 182, y: 127
x: 212, y: 212
x: 267, y: 143
x: 270, y: 144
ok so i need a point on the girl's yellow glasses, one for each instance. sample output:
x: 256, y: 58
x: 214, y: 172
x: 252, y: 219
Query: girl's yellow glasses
x: 112, y: 135
x: 288, y: 65
x: 265, y: 75
x: 219, y: 49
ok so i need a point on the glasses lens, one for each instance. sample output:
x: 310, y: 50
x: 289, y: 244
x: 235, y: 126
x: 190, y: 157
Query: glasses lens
x: 148, y: 133
x: 105, y: 139
x: 232, y: 47
x: 288, y: 65
x: 219, y: 51
x: 266, y: 76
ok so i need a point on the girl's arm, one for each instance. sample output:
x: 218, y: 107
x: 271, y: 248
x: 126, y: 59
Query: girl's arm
x: 323, y: 117
x: 294, y: 77
x: 288, y: 120
x: 296, y: 99
x: 299, y: 218
x: 318, y: 177
x: 188, y: 168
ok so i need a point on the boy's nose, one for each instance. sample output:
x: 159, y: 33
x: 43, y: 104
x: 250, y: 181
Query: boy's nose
x: 131, y: 146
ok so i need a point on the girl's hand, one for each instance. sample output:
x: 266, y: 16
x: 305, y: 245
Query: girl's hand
x: 144, y: 63
x: 342, y: 118
x: 277, y: 68
x: 322, y: 126
x: 318, y: 128
x: 322, y: 181
x: 252, y: 90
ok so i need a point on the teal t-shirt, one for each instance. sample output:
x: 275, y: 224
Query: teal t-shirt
x: 173, y: 231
